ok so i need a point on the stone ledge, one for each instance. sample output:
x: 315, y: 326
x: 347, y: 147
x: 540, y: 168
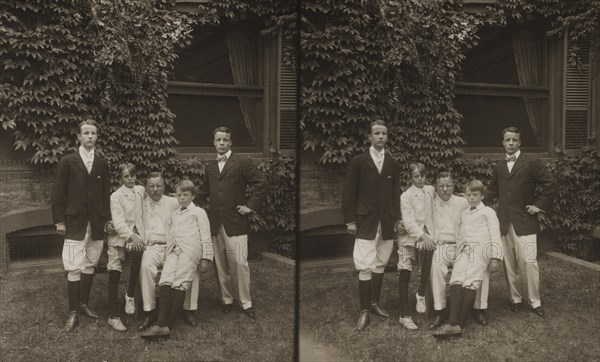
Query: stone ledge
x: 278, y: 258
x: 589, y: 266
x: 318, y: 217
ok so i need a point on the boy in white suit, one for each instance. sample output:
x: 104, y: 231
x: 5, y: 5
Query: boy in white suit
x: 127, y: 221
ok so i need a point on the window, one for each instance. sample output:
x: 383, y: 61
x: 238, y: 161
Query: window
x: 504, y: 83
x: 222, y: 79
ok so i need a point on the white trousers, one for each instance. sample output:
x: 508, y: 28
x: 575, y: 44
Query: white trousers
x: 371, y: 256
x: 521, y: 266
x: 444, y: 257
x: 81, y: 256
x: 153, y: 259
x: 231, y: 260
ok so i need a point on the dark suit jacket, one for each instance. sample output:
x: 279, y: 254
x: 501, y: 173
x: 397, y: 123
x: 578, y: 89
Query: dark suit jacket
x: 370, y: 198
x: 516, y: 189
x: 226, y: 190
x: 79, y: 198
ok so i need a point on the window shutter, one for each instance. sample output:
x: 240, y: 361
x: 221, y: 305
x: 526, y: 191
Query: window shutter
x: 577, y: 96
x: 288, y: 102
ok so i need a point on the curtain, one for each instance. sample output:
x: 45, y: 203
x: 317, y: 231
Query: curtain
x: 244, y: 58
x: 529, y: 56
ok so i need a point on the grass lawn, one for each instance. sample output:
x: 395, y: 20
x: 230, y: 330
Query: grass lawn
x: 570, y: 331
x: 33, y: 310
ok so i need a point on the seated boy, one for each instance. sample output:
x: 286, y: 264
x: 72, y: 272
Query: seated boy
x: 479, y: 246
x: 188, y: 245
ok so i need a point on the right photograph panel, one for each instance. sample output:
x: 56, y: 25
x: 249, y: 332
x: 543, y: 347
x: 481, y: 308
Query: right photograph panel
x: 447, y: 150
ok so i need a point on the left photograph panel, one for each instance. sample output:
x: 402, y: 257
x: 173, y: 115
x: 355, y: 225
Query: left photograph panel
x: 148, y: 180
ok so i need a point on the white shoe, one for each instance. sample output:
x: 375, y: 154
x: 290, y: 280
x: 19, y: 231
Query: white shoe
x: 421, y: 306
x: 116, y: 323
x: 129, y: 304
x: 408, y: 323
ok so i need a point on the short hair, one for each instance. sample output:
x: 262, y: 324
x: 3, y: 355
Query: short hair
x: 186, y: 185
x: 88, y: 121
x: 155, y: 174
x: 417, y: 166
x: 221, y: 129
x: 475, y: 186
x: 129, y: 167
x: 511, y: 129
x: 444, y: 174
x: 377, y: 122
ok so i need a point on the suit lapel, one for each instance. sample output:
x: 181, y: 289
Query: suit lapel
x: 227, y: 167
x: 79, y: 162
x: 516, y: 166
x: 370, y: 163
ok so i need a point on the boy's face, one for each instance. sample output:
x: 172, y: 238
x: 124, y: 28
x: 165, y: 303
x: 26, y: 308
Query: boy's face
x: 417, y: 179
x: 127, y: 179
x: 444, y: 187
x: 88, y: 136
x: 184, y: 197
x: 473, y: 197
x: 511, y: 142
x: 155, y: 188
x: 378, y: 137
x: 222, y: 142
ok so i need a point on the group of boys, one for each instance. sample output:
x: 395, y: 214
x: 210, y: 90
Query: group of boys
x: 172, y: 232
x: 445, y: 230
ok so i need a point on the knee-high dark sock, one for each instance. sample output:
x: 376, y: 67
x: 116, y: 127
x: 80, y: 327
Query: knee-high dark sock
x: 403, y: 279
x: 113, y: 287
x: 467, y: 305
x: 164, y: 309
x: 364, y: 294
x: 135, y: 261
x: 73, y: 293
x: 426, y: 258
x: 176, y: 306
x: 456, y: 297
x: 86, y: 287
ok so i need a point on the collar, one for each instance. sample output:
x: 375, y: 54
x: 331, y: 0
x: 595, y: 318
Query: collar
x: 516, y: 154
x: 376, y: 153
x: 441, y: 202
x: 85, y: 154
x: 417, y: 191
x: 151, y: 201
x: 189, y: 207
x: 477, y: 208
x: 228, y: 154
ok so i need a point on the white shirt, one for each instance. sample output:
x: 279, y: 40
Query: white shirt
x: 222, y: 163
x: 510, y: 164
x: 444, y: 220
x: 157, y: 220
x: 378, y: 157
x: 87, y: 157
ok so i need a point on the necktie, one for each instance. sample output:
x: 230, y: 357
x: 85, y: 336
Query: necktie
x: 512, y: 158
x: 183, y: 208
x: 473, y: 208
x: 221, y: 158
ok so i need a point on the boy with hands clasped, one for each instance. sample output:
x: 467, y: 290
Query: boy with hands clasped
x: 189, y: 247
x: 479, y: 246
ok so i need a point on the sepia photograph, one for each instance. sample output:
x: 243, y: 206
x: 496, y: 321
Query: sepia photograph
x: 299, y: 180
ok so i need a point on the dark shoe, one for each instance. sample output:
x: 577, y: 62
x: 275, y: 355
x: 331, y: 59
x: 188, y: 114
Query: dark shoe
x: 479, y: 316
x: 539, y: 311
x: 87, y: 311
x: 156, y: 332
x: 363, y: 320
x: 250, y: 312
x: 515, y: 307
x: 377, y: 310
x: 72, y: 321
x: 437, y: 322
x: 147, y: 323
x: 447, y: 330
x: 226, y: 308
x: 189, y: 318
